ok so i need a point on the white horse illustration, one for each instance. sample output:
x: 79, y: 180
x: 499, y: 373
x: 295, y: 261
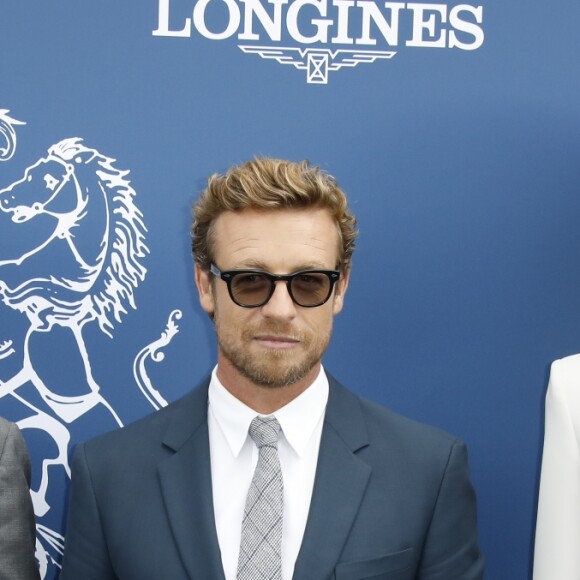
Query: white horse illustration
x: 72, y: 252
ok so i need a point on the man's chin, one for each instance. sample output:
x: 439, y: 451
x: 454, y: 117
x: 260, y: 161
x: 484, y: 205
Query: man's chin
x: 272, y: 377
x: 275, y: 381
x: 273, y: 368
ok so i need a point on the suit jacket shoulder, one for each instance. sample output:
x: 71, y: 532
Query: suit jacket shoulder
x: 400, y: 496
x: 563, y: 393
x: 173, y: 423
x: 381, y: 430
x: 140, y: 505
x: 387, y: 423
x: 17, y: 529
x: 556, y: 552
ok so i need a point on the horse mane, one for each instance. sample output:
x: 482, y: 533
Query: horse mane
x: 122, y: 268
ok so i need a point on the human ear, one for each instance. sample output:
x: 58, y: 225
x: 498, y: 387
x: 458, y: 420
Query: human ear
x: 339, y: 291
x: 204, y: 289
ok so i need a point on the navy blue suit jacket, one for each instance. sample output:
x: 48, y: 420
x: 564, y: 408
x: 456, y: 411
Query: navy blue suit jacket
x: 392, y: 500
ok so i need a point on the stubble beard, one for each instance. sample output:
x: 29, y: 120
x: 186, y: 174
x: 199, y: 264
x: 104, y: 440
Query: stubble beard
x: 272, y: 368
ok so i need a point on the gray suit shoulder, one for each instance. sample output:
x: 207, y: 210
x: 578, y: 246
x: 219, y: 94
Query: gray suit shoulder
x: 5, y: 427
x: 9, y: 430
x: 17, y: 525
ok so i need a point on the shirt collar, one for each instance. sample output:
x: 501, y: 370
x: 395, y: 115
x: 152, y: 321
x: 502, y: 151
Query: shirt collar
x: 298, y: 419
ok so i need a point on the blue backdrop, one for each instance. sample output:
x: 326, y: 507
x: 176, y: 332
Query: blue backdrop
x: 455, y: 129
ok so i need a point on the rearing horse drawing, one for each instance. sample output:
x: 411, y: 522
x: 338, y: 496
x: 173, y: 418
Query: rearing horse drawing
x: 72, y: 253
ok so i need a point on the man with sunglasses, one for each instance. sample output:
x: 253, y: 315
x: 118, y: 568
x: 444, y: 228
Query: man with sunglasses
x: 270, y: 469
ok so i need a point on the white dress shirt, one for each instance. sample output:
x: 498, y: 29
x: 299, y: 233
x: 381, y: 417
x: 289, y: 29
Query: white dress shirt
x: 234, y: 457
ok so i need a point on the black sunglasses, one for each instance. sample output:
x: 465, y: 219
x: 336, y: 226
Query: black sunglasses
x: 253, y: 288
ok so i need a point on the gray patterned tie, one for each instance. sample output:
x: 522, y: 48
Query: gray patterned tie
x: 261, y: 543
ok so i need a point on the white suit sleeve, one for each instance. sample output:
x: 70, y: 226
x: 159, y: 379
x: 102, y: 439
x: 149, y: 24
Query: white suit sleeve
x: 557, y: 549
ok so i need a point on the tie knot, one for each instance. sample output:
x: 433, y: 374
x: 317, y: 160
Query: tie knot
x: 264, y: 431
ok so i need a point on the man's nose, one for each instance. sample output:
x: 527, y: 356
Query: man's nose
x: 280, y: 305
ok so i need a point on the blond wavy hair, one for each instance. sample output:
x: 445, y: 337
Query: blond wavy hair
x: 269, y: 184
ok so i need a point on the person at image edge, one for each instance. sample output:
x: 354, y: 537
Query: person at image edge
x: 17, y: 525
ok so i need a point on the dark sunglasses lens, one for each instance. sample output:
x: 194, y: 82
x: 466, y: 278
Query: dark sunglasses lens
x: 310, y: 288
x: 250, y: 289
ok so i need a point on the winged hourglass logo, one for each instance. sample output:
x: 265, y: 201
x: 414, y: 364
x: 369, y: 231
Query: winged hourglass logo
x: 317, y: 62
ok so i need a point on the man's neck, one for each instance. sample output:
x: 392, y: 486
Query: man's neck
x: 264, y: 400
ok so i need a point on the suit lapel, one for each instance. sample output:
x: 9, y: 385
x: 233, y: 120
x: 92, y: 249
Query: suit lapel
x: 185, y: 480
x: 339, y: 487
